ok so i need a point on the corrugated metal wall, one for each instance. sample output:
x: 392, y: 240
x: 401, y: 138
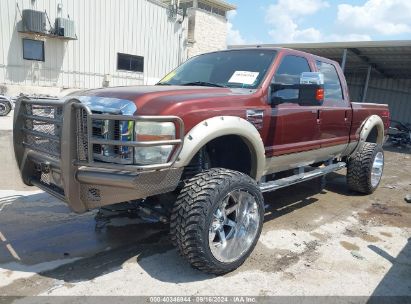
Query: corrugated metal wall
x: 104, y: 28
x: 394, y: 92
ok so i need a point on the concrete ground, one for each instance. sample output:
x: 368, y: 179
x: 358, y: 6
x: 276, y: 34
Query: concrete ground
x: 329, y: 242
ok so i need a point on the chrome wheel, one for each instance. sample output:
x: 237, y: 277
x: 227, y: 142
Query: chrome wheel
x: 377, y: 168
x: 234, y: 226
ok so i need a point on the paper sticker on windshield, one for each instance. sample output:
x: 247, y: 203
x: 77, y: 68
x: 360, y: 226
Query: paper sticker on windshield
x: 244, y: 77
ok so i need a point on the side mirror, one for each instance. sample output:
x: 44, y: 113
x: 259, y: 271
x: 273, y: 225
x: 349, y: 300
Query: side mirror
x: 311, y: 95
x: 309, y: 92
x: 312, y: 90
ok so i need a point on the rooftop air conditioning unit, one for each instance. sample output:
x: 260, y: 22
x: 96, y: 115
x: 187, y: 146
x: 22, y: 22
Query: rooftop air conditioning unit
x: 64, y: 28
x: 34, y: 21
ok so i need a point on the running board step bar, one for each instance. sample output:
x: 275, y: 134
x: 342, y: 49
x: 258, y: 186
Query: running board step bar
x: 301, y: 177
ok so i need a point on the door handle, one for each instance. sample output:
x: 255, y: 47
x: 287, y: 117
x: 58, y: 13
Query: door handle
x: 318, y: 116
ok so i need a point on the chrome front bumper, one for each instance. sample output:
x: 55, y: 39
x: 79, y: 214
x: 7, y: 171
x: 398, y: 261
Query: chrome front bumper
x: 53, y: 144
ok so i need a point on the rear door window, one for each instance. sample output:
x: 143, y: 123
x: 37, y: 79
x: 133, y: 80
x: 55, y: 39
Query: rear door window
x: 332, y: 83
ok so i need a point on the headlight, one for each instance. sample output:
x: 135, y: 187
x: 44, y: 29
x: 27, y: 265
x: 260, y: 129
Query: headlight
x: 153, y: 131
x: 152, y: 155
x: 149, y: 131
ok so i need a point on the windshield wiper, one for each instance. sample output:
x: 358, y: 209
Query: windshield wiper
x: 163, y: 83
x: 203, y: 84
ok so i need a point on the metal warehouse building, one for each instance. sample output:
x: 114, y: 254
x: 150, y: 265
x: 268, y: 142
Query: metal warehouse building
x: 49, y: 45
x: 376, y: 71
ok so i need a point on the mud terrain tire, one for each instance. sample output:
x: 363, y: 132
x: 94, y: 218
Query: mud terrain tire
x: 194, y: 222
x: 365, y: 168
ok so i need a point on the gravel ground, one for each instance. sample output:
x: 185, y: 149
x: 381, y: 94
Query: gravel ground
x: 314, y: 242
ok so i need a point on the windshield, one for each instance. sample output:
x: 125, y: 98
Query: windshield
x: 234, y: 69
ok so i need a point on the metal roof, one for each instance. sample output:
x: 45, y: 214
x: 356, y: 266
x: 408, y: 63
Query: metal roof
x: 388, y: 59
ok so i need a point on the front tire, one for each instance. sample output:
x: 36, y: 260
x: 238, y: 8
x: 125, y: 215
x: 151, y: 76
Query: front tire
x: 365, y: 168
x: 217, y: 220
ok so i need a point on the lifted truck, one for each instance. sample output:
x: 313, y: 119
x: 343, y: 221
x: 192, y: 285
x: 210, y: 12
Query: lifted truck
x: 211, y: 137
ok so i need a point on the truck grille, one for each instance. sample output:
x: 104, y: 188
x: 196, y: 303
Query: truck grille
x: 81, y: 134
x: 102, y: 130
x: 105, y: 129
x: 42, y: 128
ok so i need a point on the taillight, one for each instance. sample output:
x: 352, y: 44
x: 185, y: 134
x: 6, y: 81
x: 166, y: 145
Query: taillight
x: 386, y: 114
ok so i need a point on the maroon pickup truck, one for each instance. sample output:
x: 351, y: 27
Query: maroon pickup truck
x: 198, y: 149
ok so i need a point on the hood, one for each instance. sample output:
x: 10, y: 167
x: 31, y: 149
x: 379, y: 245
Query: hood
x: 153, y: 100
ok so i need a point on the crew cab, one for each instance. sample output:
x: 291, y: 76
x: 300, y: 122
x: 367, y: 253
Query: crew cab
x: 198, y: 149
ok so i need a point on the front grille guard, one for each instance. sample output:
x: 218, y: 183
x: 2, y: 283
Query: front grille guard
x: 42, y: 123
x: 86, y: 141
x: 46, y: 147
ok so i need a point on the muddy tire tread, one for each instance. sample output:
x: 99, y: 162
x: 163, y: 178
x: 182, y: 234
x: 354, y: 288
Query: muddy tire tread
x: 187, y: 222
x: 359, y: 169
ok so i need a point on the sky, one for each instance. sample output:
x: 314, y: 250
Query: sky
x: 282, y: 21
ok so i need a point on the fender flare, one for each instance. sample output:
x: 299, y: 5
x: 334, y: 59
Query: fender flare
x: 366, y: 128
x: 215, y: 127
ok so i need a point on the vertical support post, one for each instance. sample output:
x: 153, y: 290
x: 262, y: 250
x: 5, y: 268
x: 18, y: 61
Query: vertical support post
x: 195, y: 4
x: 344, y: 60
x: 367, y: 80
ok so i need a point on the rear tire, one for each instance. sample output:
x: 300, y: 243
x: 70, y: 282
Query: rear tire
x: 217, y: 220
x: 5, y: 108
x: 365, y: 168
